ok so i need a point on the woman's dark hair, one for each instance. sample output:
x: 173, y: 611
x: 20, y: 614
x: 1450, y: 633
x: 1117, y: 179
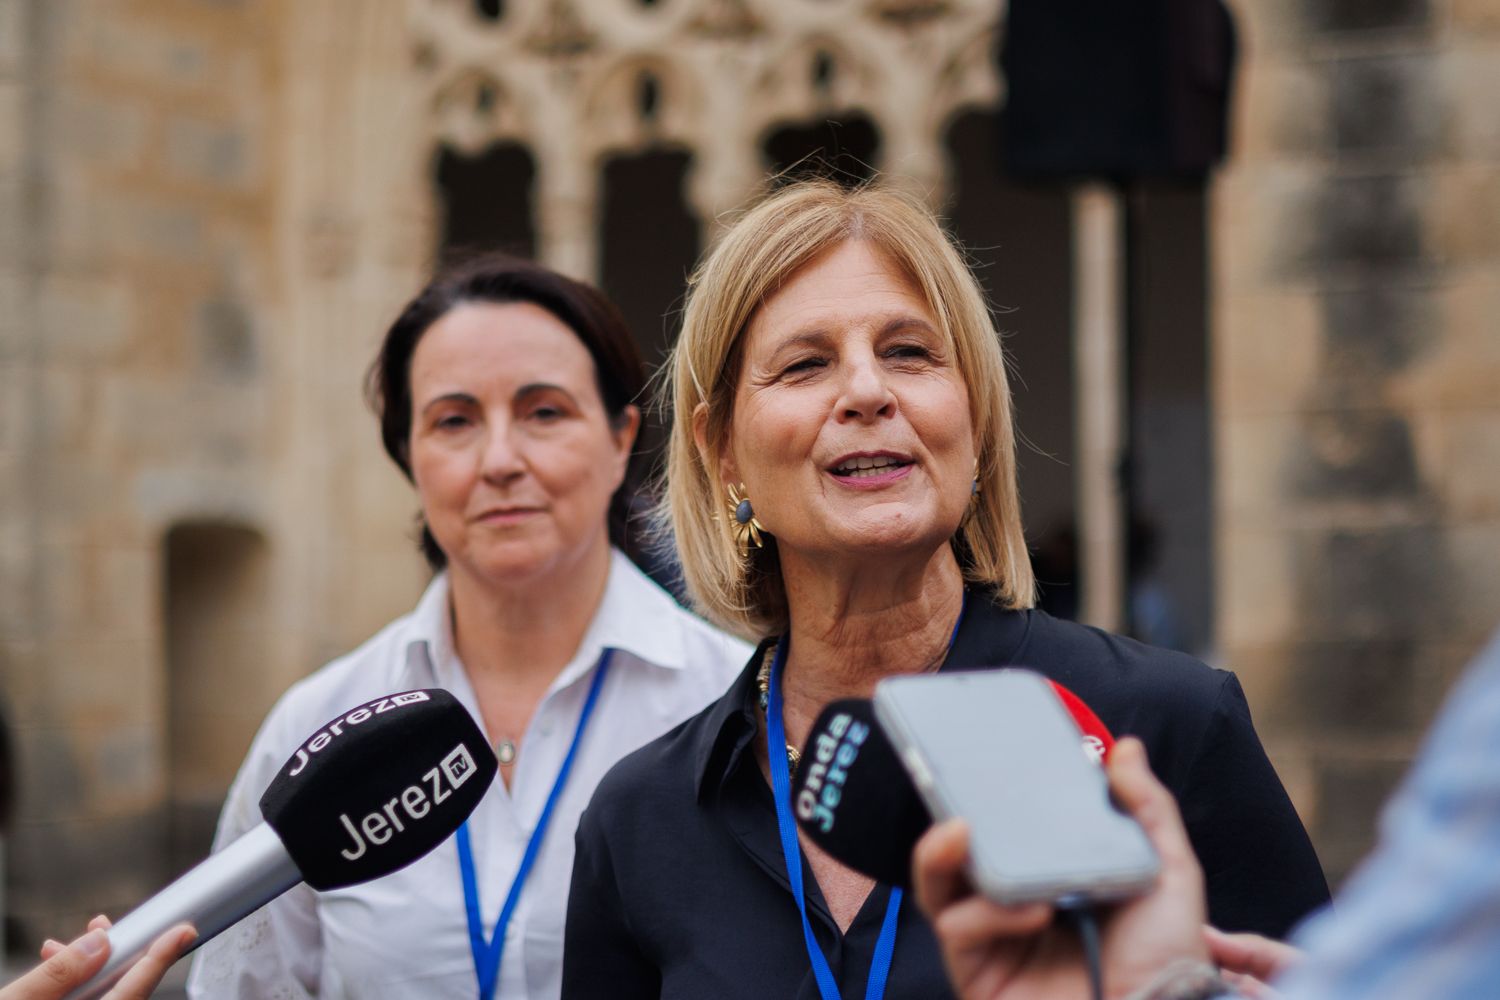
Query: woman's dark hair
x: 502, y: 279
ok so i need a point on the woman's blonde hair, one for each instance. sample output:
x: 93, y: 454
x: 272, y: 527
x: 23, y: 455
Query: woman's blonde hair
x: 755, y: 257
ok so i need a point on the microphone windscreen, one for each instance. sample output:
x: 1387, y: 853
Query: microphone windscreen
x: 852, y: 796
x: 378, y: 787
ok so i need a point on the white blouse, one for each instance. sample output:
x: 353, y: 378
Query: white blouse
x: 406, y: 935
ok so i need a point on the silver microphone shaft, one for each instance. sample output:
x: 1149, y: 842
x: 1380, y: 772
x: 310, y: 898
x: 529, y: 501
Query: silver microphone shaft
x: 230, y: 885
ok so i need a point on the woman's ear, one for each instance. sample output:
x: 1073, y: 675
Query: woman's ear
x: 724, y: 467
x: 627, y: 427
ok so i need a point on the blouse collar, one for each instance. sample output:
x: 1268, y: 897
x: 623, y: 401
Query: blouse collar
x: 635, y: 616
x: 989, y: 636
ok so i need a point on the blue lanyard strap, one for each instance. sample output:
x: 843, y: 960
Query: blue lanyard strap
x: 791, y: 850
x: 781, y: 787
x: 487, y: 953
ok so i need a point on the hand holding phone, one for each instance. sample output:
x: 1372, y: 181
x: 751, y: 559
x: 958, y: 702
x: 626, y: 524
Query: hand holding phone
x: 998, y: 749
x: 1032, y: 954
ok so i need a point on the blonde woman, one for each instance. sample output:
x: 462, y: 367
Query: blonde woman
x: 842, y: 488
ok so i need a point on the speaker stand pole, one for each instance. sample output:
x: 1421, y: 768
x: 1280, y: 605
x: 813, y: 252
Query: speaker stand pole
x: 1099, y: 383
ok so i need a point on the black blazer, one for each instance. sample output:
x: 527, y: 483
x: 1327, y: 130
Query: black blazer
x: 679, y: 887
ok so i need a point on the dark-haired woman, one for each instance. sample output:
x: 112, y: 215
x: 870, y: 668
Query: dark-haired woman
x: 506, y: 394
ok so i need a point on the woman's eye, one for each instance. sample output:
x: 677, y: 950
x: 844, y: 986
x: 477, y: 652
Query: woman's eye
x: 805, y: 365
x: 451, y: 421
x: 910, y: 351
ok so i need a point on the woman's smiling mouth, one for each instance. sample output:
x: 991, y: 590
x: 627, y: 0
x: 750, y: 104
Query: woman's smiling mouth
x: 870, y: 469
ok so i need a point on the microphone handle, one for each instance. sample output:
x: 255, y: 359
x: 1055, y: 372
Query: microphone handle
x: 228, y: 886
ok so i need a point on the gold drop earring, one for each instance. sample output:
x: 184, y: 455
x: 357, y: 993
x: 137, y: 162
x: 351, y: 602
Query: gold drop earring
x: 973, y: 504
x: 747, y: 530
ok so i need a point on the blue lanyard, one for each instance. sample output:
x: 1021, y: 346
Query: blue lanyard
x: 487, y: 953
x: 791, y: 850
x: 781, y: 786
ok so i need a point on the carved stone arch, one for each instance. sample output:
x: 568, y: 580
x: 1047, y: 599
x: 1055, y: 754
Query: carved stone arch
x: 967, y: 80
x: 476, y: 108
x: 477, y: 116
x: 632, y: 21
x: 444, y: 27
x: 641, y: 101
x: 813, y: 75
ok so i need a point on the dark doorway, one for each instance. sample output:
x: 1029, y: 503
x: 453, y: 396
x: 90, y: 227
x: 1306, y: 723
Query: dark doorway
x: 486, y: 200
x: 1169, y: 476
x: 217, y: 614
x: 1019, y: 238
x: 648, y: 243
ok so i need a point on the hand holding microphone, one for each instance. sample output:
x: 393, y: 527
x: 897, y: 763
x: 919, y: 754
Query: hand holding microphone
x: 369, y: 793
x: 65, y: 966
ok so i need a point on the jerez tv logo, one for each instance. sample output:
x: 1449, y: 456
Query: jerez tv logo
x: 362, y: 714
x: 415, y: 802
x: 458, y: 766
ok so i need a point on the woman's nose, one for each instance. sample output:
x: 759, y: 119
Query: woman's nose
x: 866, y: 393
x: 501, y: 459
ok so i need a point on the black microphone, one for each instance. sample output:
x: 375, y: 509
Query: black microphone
x: 854, y: 798
x: 367, y: 794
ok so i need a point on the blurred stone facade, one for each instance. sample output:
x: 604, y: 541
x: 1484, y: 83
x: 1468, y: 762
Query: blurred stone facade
x: 200, y: 242
x: 1357, y: 375
x: 210, y: 210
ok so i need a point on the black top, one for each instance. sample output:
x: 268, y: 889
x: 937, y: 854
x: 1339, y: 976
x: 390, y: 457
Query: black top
x: 679, y: 887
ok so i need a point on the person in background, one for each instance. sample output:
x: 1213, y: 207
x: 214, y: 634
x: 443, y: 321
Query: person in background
x: 508, y: 395
x: 841, y: 485
x: 1419, y: 919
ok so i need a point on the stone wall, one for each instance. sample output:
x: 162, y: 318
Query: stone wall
x: 138, y: 254
x: 208, y: 215
x: 16, y: 367
x: 1357, y: 380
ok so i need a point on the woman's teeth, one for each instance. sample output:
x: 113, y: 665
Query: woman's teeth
x: 860, y: 467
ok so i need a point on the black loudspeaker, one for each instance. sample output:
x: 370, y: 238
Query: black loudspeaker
x: 1121, y: 88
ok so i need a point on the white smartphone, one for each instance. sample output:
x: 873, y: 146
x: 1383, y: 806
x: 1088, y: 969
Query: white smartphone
x: 998, y: 749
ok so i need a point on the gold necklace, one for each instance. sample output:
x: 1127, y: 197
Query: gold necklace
x: 763, y: 683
